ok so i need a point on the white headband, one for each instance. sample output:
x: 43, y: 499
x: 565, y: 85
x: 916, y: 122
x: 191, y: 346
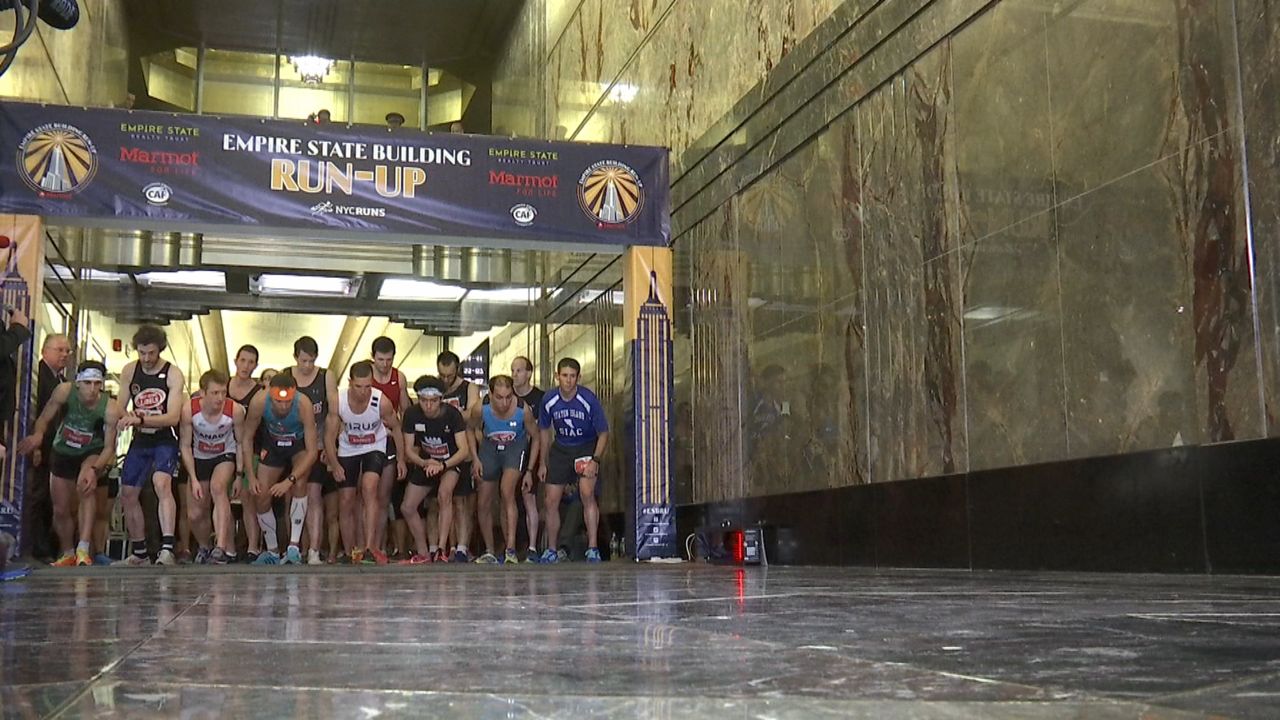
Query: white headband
x: 89, y: 375
x: 430, y: 392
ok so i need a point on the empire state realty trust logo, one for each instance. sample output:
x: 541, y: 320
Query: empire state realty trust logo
x: 57, y: 160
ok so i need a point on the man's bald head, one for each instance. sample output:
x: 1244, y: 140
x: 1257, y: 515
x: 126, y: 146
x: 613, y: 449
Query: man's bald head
x: 56, y: 351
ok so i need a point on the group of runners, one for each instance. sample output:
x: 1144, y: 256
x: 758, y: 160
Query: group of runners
x: 339, y: 464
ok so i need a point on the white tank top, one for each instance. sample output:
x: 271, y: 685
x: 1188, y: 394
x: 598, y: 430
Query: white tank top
x: 213, y: 438
x: 364, y: 432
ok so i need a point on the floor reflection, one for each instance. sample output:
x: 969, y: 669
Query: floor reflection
x: 626, y: 640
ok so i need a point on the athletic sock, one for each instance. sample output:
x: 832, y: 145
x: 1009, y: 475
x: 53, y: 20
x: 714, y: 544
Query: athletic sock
x: 139, y: 548
x: 82, y: 545
x: 461, y: 548
x: 166, y: 542
x: 297, y: 515
x: 267, y: 520
x: 432, y: 549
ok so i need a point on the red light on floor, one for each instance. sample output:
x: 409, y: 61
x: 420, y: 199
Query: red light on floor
x: 736, y: 544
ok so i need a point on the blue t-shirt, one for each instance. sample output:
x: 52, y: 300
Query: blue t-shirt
x: 503, y: 432
x: 576, y: 421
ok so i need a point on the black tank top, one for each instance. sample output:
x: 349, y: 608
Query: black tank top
x: 458, y: 396
x: 317, y: 392
x: 248, y: 397
x: 150, y: 394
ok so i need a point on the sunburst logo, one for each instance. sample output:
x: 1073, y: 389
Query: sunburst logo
x: 611, y: 193
x: 57, y: 160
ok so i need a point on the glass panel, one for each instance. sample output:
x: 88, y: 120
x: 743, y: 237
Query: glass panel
x: 382, y: 89
x: 238, y: 83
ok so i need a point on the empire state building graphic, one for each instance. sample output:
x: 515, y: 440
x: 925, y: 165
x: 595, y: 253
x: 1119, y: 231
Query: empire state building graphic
x: 654, y: 371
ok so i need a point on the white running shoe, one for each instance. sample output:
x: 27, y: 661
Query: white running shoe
x: 166, y: 557
x: 313, y: 557
x: 131, y: 561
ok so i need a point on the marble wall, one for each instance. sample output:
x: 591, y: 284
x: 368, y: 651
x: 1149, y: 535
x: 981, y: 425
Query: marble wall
x: 1000, y: 234
x: 87, y: 65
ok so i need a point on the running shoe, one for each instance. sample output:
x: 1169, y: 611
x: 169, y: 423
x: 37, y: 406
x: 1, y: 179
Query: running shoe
x: 593, y: 555
x: 66, y: 560
x: 375, y: 556
x: 416, y: 559
x: 133, y: 561
x: 83, y: 558
x: 217, y: 556
x: 184, y: 557
x: 487, y: 559
x: 202, y: 556
x: 250, y: 557
x: 357, y: 556
x: 549, y: 557
x: 562, y: 555
x: 510, y: 558
x: 531, y: 557
x: 267, y: 558
x: 166, y: 557
x: 441, y: 556
x: 293, y: 556
x: 461, y: 556
x: 101, y: 559
x: 313, y: 557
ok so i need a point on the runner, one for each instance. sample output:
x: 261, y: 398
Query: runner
x: 575, y: 418
x: 395, y: 388
x: 435, y: 442
x: 242, y: 388
x: 507, y: 436
x: 321, y: 389
x: 82, y: 451
x: 156, y: 389
x: 290, y: 442
x: 356, y: 440
x: 522, y: 373
x: 212, y: 440
x: 465, y: 397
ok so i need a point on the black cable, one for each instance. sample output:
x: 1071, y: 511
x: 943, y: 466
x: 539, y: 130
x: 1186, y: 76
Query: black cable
x: 21, y: 33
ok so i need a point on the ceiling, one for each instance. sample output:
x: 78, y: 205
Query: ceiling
x: 461, y: 36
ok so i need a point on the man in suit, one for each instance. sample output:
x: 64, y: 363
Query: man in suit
x: 55, y: 354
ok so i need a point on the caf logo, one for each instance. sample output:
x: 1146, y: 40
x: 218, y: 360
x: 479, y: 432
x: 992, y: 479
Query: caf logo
x: 57, y: 160
x: 611, y: 193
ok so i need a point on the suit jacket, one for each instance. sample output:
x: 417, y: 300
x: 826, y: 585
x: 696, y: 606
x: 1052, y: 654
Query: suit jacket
x: 46, y: 383
x: 11, y: 338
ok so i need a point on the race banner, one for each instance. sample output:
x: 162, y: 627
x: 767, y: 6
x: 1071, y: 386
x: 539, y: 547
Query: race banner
x: 162, y: 171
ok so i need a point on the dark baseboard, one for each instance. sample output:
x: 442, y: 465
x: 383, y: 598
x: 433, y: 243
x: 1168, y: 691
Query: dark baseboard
x: 1212, y: 508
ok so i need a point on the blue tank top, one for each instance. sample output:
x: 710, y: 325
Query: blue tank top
x: 503, y: 432
x: 283, y: 431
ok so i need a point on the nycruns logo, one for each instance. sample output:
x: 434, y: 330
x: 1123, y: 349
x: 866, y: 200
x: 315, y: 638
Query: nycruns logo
x: 57, y: 160
x: 610, y: 193
x: 329, y: 208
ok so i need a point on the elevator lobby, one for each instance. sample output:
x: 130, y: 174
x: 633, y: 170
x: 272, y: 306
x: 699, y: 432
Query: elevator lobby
x: 930, y: 348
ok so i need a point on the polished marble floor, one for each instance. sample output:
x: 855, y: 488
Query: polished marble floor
x: 621, y: 640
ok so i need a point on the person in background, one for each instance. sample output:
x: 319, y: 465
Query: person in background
x: 395, y: 120
x: 12, y: 336
x: 55, y: 353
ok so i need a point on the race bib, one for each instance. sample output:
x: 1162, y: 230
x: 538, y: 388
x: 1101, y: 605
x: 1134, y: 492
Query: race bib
x: 362, y: 439
x: 502, y: 437
x: 282, y: 440
x: 75, y: 439
x: 580, y: 465
x: 211, y: 448
x: 437, y: 451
